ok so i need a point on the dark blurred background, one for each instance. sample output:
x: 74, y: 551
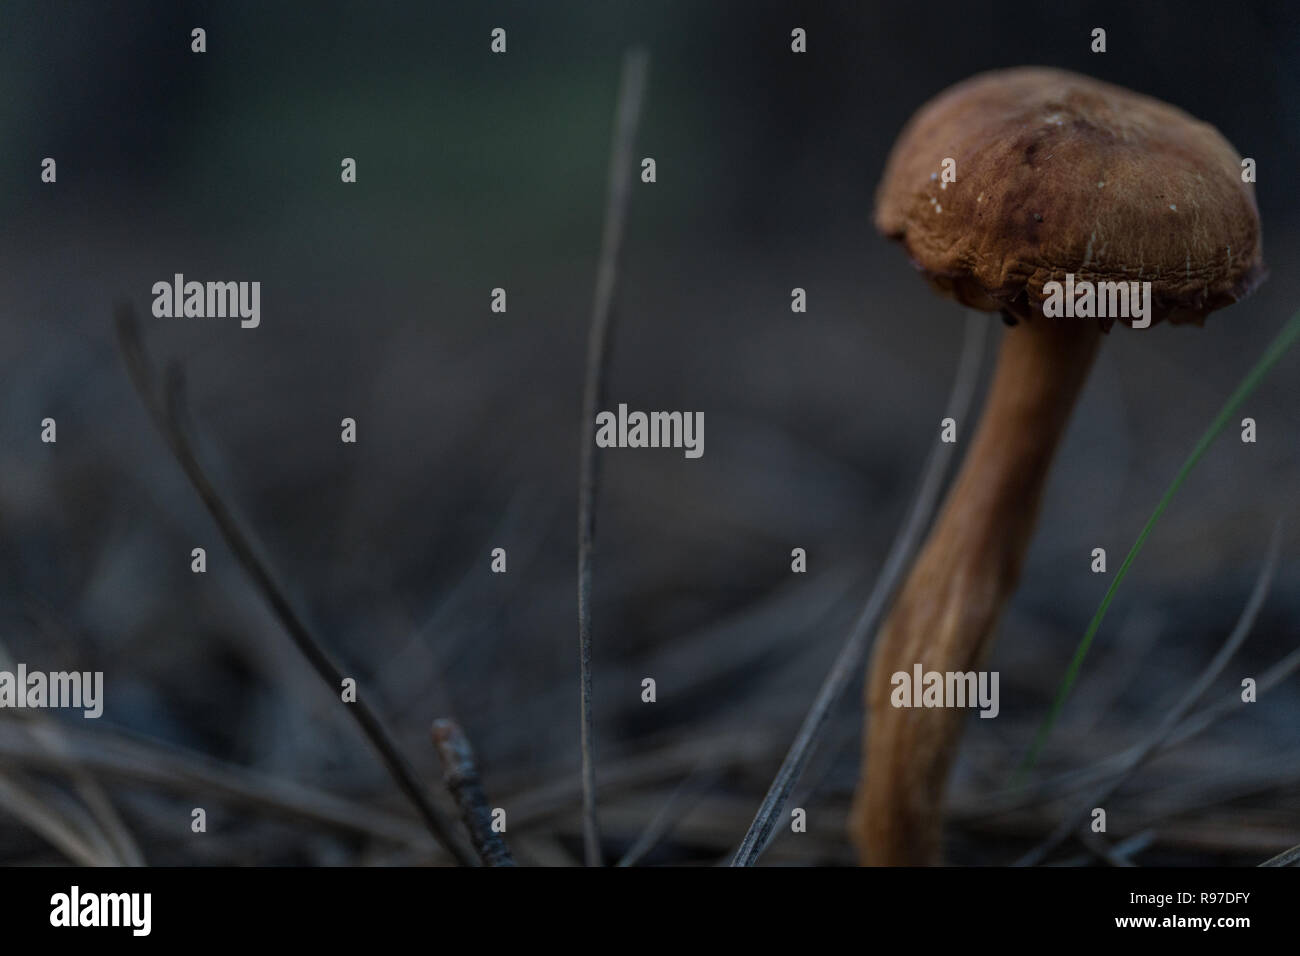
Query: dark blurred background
x: 477, y: 171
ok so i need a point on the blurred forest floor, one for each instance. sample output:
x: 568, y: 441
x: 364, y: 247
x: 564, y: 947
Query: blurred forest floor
x: 376, y: 306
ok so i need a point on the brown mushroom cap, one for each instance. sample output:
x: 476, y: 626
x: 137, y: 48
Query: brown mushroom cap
x: 1060, y: 173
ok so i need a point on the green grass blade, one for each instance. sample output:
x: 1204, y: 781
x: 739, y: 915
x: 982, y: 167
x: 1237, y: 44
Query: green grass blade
x: 1284, y: 340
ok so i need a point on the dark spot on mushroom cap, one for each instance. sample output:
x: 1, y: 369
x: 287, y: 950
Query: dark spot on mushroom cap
x: 1099, y: 167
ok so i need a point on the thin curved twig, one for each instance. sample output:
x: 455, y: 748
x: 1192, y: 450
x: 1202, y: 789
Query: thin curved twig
x: 461, y: 775
x: 167, y: 412
x: 631, y: 91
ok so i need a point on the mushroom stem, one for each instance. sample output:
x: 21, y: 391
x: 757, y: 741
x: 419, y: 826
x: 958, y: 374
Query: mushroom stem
x: 945, y: 615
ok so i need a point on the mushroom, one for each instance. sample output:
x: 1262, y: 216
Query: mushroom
x: 1056, y: 174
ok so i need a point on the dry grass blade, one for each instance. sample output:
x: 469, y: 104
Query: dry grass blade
x: 631, y: 92
x: 168, y: 415
x: 1169, y: 723
x: 1119, y: 854
x: 852, y: 656
x: 462, y: 777
x: 33, y: 810
x: 670, y: 814
x: 183, y: 772
x: 121, y: 844
x: 647, y: 767
x: 1233, y: 702
x: 126, y: 851
x: 1286, y: 858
